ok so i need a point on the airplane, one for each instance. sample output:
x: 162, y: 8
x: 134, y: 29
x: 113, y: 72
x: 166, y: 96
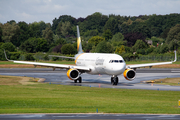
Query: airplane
x: 96, y: 63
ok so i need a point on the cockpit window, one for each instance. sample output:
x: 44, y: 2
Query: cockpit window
x: 116, y: 61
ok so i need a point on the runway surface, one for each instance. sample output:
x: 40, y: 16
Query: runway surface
x: 103, y: 81
x: 89, y: 117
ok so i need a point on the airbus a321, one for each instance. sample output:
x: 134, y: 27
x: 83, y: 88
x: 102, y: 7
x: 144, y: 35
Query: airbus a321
x: 96, y: 63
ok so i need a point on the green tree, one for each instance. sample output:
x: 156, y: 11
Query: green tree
x: 66, y: 28
x: 0, y: 34
x: 34, y: 30
x: 112, y: 25
x: 60, y: 41
x: 174, y: 33
x: 120, y: 50
x: 164, y: 48
x: 107, y: 34
x: 150, y: 50
x: 156, y: 40
x: 174, y: 44
x: 141, y: 51
x: 104, y: 47
x: 8, y: 46
x: 33, y: 45
x: 68, y: 49
x: 10, y: 32
x: 117, y: 37
x: 140, y: 44
x: 29, y: 56
x: 61, y: 19
x: 86, y: 46
x: 91, y: 33
x: 48, y: 35
x: 24, y: 33
x: 129, y: 22
x: 96, y: 21
x: 96, y: 40
x: 173, y: 38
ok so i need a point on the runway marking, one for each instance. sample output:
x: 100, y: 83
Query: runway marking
x: 175, y: 71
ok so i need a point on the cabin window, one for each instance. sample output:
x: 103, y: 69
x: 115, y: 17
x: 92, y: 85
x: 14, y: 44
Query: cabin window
x: 116, y: 61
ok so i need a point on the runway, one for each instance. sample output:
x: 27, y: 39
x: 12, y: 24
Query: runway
x: 103, y: 81
x: 89, y: 116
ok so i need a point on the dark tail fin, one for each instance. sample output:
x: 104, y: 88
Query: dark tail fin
x: 79, y: 46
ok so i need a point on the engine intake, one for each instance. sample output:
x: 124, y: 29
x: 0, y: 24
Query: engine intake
x: 73, y: 74
x: 129, y: 74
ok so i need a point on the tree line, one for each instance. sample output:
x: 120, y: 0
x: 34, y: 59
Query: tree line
x: 124, y: 35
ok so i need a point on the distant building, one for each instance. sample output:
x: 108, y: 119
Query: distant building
x: 150, y: 42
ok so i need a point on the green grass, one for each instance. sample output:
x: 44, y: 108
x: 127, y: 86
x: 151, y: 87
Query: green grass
x: 50, y: 98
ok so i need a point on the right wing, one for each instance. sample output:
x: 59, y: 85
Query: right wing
x: 150, y: 64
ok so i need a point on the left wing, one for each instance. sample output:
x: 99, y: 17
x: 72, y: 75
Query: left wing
x: 62, y: 66
x: 150, y: 64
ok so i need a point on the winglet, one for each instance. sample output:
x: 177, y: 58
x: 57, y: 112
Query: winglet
x: 175, y: 59
x: 79, y: 46
x: 6, y: 56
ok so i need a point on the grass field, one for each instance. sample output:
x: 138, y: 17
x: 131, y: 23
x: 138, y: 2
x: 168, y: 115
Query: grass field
x: 50, y: 98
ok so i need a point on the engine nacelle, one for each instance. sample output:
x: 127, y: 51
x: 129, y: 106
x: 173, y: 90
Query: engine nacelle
x: 73, y: 74
x: 129, y: 74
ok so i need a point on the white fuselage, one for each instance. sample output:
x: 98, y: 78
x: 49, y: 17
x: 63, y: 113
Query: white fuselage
x: 100, y: 63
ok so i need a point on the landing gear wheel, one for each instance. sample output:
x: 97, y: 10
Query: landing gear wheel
x: 117, y: 80
x: 114, y: 80
x: 80, y: 80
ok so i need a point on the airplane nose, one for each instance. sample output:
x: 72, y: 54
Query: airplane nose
x: 119, y: 69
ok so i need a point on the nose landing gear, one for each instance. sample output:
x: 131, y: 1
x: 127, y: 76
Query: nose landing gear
x: 114, y: 80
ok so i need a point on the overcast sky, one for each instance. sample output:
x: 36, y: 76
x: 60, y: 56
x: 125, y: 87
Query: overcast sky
x: 46, y: 10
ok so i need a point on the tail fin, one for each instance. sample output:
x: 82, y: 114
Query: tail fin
x: 79, y: 46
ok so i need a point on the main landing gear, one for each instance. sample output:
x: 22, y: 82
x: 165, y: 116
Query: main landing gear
x: 114, y: 80
x: 79, y: 79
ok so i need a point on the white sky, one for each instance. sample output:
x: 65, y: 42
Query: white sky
x: 46, y: 10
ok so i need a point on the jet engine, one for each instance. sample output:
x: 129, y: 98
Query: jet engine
x: 129, y: 74
x: 73, y: 74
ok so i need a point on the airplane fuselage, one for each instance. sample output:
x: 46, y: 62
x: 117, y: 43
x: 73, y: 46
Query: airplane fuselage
x: 101, y: 63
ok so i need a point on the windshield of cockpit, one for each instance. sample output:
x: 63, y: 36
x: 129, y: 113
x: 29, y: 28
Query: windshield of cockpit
x: 116, y: 61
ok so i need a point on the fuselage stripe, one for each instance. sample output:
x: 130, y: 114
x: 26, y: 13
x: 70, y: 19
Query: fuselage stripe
x: 78, y: 57
x: 78, y: 43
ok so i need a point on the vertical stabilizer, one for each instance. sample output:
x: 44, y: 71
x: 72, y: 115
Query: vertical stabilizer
x: 79, y: 46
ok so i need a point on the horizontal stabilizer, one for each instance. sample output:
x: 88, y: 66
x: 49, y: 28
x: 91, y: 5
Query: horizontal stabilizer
x: 62, y: 56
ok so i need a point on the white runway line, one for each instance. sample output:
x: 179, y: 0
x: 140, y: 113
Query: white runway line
x: 175, y: 71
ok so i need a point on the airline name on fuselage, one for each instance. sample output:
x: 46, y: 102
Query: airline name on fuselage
x: 97, y: 61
